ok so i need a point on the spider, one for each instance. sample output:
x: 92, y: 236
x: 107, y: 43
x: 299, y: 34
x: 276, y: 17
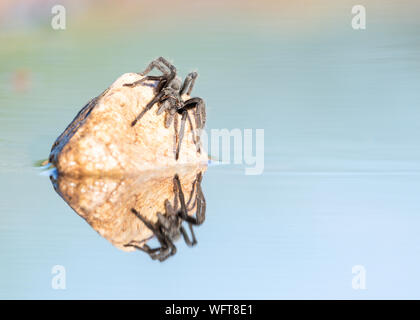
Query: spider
x: 169, y: 227
x: 169, y: 96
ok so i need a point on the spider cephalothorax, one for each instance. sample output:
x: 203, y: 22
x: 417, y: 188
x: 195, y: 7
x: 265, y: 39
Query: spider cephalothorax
x: 169, y: 227
x: 169, y: 96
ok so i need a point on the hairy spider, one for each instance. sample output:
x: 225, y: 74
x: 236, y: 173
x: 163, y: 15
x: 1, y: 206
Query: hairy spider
x: 169, y: 97
x: 169, y: 227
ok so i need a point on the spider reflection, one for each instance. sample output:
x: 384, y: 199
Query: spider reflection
x: 169, y: 226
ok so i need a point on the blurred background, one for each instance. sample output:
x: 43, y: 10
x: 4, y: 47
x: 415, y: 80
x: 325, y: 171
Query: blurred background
x: 340, y: 111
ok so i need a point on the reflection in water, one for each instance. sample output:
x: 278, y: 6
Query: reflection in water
x: 129, y: 211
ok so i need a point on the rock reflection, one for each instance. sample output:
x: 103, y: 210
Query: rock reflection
x: 129, y: 211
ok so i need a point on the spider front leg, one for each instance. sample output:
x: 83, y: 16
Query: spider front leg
x: 149, y: 106
x: 136, y: 83
x: 188, y: 84
x: 168, y: 73
x: 160, y: 64
x: 199, y: 112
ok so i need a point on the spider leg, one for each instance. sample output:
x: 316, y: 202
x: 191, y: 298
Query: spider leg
x: 181, y: 133
x: 180, y: 194
x: 169, y: 118
x: 196, y: 139
x: 183, y: 211
x: 192, y: 233
x: 200, y: 201
x: 170, y: 251
x: 199, y: 115
x: 187, y: 239
x: 136, y: 83
x: 176, y: 135
x: 147, y: 223
x: 164, y: 66
x: 199, y: 112
x: 169, y: 65
x: 191, y: 196
x: 144, y: 248
x: 175, y: 188
x: 160, y: 64
x: 188, y: 84
x: 148, y: 107
x: 167, y: 248
x: 156, y: 231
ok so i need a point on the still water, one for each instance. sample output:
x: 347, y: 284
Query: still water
x: 341, y: 181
